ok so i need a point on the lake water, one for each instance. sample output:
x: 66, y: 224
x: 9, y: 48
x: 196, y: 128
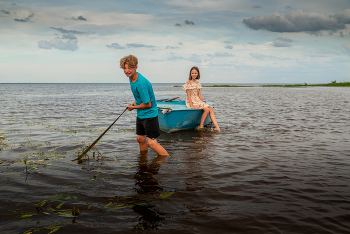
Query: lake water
x: 279, y: 165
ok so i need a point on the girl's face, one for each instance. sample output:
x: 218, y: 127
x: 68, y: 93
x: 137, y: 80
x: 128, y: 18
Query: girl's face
x: 194, y: 74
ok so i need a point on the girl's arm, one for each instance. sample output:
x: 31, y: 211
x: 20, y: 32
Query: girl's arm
x: 200, y: 95
x: 189, y: 97
x: 190, y: 100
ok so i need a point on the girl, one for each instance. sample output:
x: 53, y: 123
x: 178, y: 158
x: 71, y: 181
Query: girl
x: 195, y: 100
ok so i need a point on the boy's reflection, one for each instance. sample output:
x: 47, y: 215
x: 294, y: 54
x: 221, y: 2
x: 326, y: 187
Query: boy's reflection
x: 146, y: 183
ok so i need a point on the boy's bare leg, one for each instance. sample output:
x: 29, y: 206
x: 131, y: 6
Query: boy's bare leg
x: 157, y: 147
x: 141, y: 139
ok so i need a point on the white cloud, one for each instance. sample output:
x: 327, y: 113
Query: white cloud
x: 115, y: 46
x: 282, y: 42
x: 262, y: 57
x: 221, y: 54
x: 59, y: 44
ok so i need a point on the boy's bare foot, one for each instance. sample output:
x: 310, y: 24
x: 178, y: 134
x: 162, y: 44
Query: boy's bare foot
x: 200, y: 128
x: 217, y: 129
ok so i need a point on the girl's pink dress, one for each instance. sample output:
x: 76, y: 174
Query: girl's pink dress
x: 194, y: 91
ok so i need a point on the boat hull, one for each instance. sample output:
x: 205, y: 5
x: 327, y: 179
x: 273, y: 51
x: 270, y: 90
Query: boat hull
x: 174, y: 116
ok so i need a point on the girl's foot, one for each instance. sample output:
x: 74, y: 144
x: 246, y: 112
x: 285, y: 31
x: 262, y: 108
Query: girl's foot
x: 217, y: 129
x: 200, y: 128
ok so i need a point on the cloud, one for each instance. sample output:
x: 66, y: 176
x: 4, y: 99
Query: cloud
x: 187, y: 22
x: 262, y: 57
x: 135, y: 45
x: 5, y: 12
x: 319, y: 33
x: 195, y: 58
x: 282, y: 42
x: 346, y: 46
x: 322, y: 53
x: 58, y: 44
x: 343, y: 17
x: 172, y: 47
x: 26, y: 19
x: 256, y: 6
x: 69, y: 36
x: 180, y: 43
x: 227, y: 42
x: 173, y: 56
x: 229, y: 47
x: 79, y: 18
x: 299, y: 21
x: 316, y: 55
x: 341, y: 34
x: 115, y: 46
x: 288, y: 7
x: 130, y: 45
x: 251, y: 43
x: 221, y: 54
x: 68, y: 31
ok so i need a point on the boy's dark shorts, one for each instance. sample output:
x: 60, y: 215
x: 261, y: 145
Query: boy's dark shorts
x: 148, y: 127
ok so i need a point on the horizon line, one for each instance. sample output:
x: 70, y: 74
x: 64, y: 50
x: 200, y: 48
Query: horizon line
x: 162, y: 83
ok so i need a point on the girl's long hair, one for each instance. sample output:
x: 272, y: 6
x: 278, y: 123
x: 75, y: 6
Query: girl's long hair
x: 197, y: 69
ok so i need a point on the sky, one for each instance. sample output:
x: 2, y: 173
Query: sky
x: 231, y: 41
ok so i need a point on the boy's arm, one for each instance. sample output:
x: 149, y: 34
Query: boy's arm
x: 141, y: 106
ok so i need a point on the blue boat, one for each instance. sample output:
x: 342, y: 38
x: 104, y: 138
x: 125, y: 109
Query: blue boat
x: 173, y: 115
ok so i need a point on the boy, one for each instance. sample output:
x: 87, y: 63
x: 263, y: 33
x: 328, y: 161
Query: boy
x: 145, y: 103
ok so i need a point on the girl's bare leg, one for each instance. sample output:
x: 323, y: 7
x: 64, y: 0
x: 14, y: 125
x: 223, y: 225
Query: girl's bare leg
x: 213, y: 119
x: 204, y: 116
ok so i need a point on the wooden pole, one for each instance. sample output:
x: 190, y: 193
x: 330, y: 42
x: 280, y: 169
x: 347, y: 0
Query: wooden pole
x: 171, y: 99
x: 92, y: 145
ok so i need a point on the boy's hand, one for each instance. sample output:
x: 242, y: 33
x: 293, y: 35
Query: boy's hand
x: 130, y: 107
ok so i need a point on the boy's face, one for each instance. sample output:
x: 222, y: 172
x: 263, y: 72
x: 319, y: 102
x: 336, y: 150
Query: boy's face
x: 129, y: 72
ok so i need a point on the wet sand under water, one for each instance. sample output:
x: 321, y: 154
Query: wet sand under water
x: 279, y: 165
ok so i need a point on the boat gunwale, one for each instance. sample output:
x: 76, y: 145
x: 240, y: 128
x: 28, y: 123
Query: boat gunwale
x: 175, y: 105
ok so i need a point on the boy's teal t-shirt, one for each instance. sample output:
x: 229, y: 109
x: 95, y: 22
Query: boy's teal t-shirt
x: 143, y: 93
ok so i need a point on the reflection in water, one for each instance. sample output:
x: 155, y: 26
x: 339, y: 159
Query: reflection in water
x: 149, y: 219
x: 147, y: 183
x: 145, y: 180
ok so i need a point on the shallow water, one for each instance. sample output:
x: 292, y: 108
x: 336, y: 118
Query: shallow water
x: 279, y: 165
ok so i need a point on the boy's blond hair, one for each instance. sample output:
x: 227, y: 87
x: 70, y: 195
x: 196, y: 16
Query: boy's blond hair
x: 131, y: 60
